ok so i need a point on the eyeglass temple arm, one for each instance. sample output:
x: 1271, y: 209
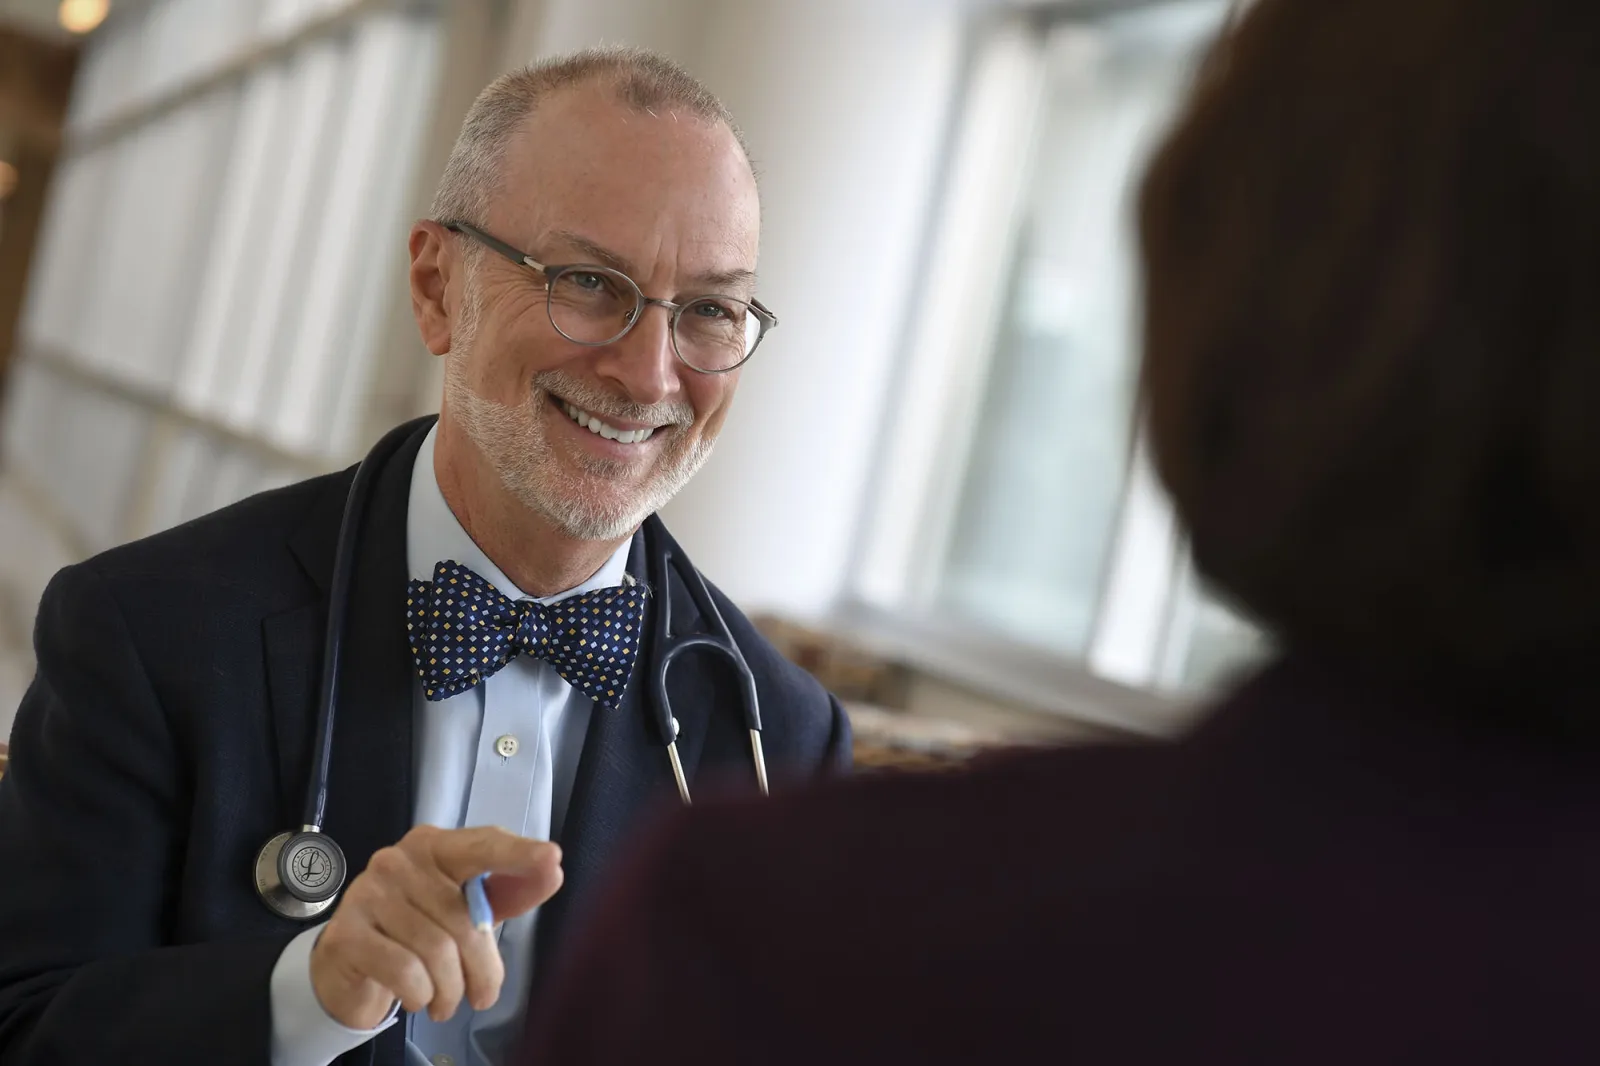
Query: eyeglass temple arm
x: 492, y: 243
x: 523, y: 259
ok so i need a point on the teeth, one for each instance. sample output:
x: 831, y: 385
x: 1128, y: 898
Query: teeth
x: 609, y: 432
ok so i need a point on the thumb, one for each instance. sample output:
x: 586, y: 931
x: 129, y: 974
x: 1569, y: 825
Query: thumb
x: 513, y: 894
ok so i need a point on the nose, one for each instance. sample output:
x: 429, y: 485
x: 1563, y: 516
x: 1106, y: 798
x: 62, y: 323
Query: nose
x: 642, y: 362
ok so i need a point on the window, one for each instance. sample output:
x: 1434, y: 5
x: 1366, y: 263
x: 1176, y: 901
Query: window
x: 220, y: 250
x: 1014, y: 506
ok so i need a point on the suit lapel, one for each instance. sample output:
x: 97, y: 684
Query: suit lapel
x: 294, y: 651
x: 369, y: 790
x: 623, y: 774
x: 370, y: 776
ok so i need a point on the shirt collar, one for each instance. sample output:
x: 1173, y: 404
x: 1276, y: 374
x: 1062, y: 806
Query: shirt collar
x: 433, y: 535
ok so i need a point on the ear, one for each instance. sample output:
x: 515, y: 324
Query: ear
x: 433, y: 267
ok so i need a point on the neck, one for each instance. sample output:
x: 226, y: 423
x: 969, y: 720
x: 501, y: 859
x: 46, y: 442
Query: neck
x: 529, y: 549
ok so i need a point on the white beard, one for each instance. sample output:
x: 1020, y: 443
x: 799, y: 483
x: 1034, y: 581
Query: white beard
x: 514, y: 441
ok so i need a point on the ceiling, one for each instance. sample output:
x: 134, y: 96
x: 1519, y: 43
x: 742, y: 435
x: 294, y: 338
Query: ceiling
x: 33, y: 16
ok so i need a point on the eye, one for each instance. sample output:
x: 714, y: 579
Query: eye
x: 711, y: 309
x: 589, y: 281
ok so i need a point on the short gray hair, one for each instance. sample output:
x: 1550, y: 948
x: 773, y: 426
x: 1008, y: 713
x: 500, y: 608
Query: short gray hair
x: 641, y: 79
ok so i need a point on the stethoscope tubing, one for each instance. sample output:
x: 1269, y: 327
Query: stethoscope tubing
x: 344, y: 562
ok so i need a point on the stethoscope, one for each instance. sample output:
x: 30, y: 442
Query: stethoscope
x: 299, y: 874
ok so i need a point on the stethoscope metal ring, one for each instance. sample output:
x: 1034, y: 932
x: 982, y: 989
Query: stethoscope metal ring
x: 299, y: 875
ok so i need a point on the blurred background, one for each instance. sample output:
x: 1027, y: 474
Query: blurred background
x: 927, y: 491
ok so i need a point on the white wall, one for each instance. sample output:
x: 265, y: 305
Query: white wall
x: 844, y: 103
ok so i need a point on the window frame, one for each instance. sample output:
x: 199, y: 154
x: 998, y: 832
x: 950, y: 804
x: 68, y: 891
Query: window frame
x: 1130, y: 676
x: 436, y: 51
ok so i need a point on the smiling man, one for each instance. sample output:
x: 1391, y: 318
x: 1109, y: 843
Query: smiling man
x: 588, y: 278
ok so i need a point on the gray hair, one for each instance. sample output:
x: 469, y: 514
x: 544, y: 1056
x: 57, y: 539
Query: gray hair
x: 641, y: 79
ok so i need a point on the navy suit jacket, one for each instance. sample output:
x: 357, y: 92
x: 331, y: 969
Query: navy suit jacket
x: 1330, y: 870
x: 168, y: 735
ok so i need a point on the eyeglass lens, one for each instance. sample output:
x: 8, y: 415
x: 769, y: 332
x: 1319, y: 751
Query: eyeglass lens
x: 596, y: 306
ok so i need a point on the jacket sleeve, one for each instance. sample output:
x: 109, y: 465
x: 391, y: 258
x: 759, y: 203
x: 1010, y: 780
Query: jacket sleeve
x: 839, y: 756
x: 93, y: 813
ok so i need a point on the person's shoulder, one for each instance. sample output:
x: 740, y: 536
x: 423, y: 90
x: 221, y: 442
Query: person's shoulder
x: 880, y: 865
x: 922, y: 810
x: 895, y: 831
x: 241, y: 547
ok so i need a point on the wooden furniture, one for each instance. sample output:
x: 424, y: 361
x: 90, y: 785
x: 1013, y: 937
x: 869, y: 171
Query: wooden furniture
x: 887, y: 740
x: 876, y: 691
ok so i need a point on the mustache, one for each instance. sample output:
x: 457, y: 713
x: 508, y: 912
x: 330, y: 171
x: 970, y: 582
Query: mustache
x: 597, y: 401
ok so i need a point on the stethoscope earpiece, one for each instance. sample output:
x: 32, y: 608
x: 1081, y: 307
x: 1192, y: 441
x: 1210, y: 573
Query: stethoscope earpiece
x: 299, y: 875
x: 661, y: 552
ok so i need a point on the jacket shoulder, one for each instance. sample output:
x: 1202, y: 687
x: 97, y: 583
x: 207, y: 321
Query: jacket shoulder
x: 767, y: 663
x: 244, y: 546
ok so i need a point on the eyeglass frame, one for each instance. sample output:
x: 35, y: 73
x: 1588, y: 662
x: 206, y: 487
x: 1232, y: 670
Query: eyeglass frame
x: 552, y: 272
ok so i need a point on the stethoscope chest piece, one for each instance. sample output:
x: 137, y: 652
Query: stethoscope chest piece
x: 299, y: 875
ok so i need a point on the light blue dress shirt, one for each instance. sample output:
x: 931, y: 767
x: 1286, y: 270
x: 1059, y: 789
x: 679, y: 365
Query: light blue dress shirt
x: 503, y: 753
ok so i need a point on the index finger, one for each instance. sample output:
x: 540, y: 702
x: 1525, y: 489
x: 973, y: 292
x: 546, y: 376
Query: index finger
x: 461, y: 854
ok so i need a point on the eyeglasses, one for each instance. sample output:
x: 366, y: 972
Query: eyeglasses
x: 596, y: 305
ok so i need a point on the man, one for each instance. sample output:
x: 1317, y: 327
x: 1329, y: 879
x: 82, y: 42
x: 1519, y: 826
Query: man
x: 1371, y: 250
x: 588, y: 279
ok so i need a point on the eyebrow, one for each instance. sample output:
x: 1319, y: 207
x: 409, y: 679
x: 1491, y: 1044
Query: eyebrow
x: 606, y: 257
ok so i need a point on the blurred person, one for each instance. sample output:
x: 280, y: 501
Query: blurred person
x: 590, y: 261
x: 1371, y: 248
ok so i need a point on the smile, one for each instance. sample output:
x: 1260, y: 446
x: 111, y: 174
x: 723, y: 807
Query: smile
x: 605, y: 429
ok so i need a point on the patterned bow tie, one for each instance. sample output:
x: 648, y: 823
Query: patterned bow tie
x: 463, y: 630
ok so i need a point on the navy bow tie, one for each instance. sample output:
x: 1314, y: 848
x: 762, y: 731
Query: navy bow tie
x: 463, y: 630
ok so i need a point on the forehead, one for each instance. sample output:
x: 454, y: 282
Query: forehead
x: 636, y: 182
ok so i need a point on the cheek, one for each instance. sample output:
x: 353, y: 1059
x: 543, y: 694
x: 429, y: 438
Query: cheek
x: 515, y: 342
x: 713, y: 399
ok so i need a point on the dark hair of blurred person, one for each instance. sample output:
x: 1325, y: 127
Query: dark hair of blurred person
x: 1372, y: 354
x: 1372, y: 378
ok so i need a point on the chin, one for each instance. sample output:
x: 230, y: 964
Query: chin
x: 587, y: 522
x: 596, y: 500
x: 588, y: 508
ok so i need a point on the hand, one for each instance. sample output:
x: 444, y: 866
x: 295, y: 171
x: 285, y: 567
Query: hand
x: 402, y: 930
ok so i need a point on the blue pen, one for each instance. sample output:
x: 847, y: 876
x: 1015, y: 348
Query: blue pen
x: 478, y: 903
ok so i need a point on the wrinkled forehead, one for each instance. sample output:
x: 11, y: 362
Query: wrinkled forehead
x: 642, y: 182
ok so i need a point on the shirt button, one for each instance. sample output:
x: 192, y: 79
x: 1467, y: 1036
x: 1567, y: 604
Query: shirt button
x: 506, y: 746
x: 442, y: 1059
